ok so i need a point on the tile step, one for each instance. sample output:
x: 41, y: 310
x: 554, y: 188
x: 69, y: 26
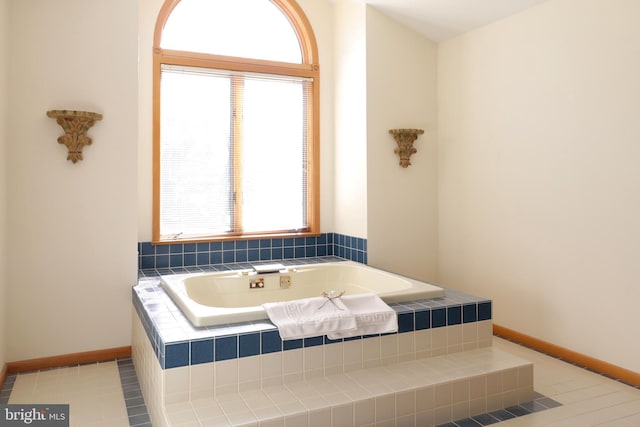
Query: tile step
x: 420, y: 392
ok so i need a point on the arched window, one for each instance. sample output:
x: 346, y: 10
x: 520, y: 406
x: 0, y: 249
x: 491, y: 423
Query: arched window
x: 235, y: 121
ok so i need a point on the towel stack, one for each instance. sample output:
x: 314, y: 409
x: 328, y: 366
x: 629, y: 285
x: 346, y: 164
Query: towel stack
x: 343, y: 317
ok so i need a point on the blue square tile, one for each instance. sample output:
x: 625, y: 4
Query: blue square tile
x: 313, y: 341
x: 202, y: 247
x: 484, y: 311
x: 215, y: 246
x: 299, y: 251
x: 241, y: 244
x: 405, y: 322
x: 271, y: 342
x: 162, y: 249
x: 265, y: 243
x: 146, y: 248
x: 201, y: 352
x: 276, y: 253
x: 454, y: 315
x: 229, y: 245
x: 328, y: 340
x: 310, y: 251
x: 175, y: 260
x: 288, y: 253
x: 468, y: 422
x: 469, y: 313
x: 147, y: 262
x: 228, y: 256
x: 276, y: 243
x: 253, y: 255
x: 438, y: 318
x: 423, y: 320
x: 253, y: 244
x: 502, y: 415
x: 299, y: 241
x: 265, y: 254
x: 241, y: 255
x: 215, y: 257
x: 202, y: 258
x: 485, y: 419
x: 321, y: 250
x: 189, y: 259
x: 162, y: 261
x: 249, y: 345
x: 310, y: 241
x: 322, y: 239
x: 176, y: 355
x: 518, y: 410
x: 288, y: 242
x: 330, y: 238
x: 176, y: 248
x: 226, y: 348
x: 291, y: 344
x: 189, y: 247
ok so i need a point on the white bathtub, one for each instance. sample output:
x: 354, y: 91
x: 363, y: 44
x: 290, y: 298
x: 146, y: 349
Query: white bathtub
x: 227, y: 297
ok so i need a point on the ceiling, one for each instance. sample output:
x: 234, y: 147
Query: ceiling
x: 439, y: 20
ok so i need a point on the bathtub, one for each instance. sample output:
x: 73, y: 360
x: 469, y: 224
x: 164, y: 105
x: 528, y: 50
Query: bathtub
x: 209, y: 299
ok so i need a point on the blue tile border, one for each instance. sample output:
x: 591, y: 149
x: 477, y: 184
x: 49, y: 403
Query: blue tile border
x: 132, y: 394
x: 540, y: 403
x: 177, y: 342
x: 189, y: 255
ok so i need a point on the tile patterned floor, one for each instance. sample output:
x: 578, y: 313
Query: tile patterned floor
x: 107, y: 394
x: 99, y: 394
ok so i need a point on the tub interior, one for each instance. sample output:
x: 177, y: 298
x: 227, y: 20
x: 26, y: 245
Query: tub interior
x: 225, y: 297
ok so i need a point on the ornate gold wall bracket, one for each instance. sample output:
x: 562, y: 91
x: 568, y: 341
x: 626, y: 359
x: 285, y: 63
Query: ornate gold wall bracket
x: 75, y: 125
x: 405, y: 139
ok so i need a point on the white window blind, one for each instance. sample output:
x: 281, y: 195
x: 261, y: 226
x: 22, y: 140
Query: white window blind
x: 233, y: 152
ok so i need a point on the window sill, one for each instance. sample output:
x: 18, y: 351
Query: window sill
x: 233, y: 237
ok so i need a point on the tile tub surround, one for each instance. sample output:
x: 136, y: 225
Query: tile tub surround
x: 456, y: 322
x: 179, y: 364
x: 188, y: 255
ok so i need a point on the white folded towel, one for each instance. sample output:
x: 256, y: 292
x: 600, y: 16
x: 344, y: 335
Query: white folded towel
x: 373, y: 316
x: 309, y: 317
x: 347, y: 316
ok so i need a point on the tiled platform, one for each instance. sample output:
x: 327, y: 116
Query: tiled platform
x: 573, y: 397
x: 442, y: 346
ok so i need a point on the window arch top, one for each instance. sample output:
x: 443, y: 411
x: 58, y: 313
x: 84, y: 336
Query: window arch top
x: 212, y: 27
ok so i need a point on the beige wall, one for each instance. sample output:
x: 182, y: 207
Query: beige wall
x: 73, y: 231
x: 539, y: 206
x: 350, y: 165
x: 320, y: 14
x: 401, y: 202
x: 4, y: 103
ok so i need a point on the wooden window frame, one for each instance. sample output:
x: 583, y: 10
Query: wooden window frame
x: 308, y: 68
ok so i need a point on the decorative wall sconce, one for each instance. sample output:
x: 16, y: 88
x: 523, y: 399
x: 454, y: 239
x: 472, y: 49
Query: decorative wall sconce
x: 405, y: 139
x: 75, y: 125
